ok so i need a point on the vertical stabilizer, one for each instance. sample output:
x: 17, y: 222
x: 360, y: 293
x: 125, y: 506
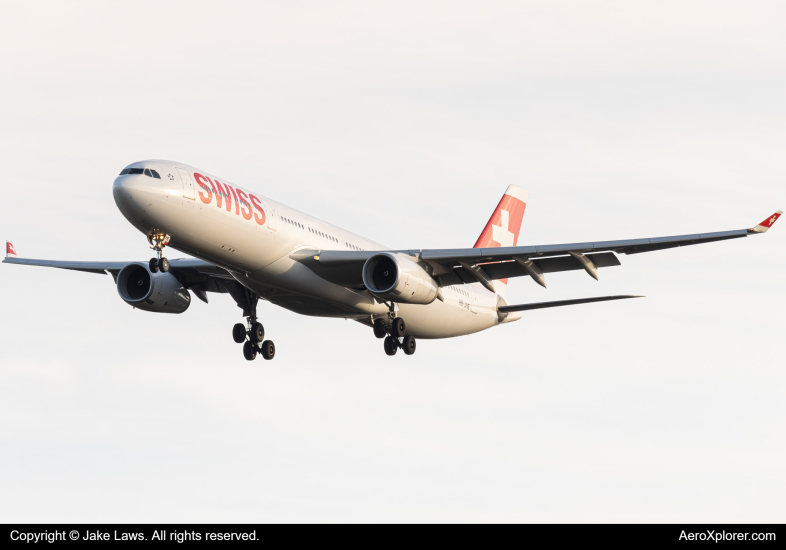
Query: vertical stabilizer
x: 504, y: 225
x: 10, y: 251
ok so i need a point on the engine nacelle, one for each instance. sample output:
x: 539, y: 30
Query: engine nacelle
x: 396, y: 278
x: 156, y: 292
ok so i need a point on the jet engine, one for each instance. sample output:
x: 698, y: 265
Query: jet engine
x: 156, y: 292
x: 395, y: 277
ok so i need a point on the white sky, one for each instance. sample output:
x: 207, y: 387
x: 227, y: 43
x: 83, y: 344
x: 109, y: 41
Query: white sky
x: 405, y: 122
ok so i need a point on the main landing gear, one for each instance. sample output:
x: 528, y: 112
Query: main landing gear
x: 252, y: 334
x: 394, y: 334
x: 256, y: 342
x: 158, y: 241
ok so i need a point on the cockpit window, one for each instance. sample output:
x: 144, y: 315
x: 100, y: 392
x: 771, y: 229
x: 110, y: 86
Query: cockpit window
x: 149, y: 172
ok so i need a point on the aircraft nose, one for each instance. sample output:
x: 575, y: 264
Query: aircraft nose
x: 128, y: 186
x: 129, y: 193
x: 126, y: 182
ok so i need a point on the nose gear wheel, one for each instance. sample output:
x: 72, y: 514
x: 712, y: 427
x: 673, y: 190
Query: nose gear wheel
x: 158, y: 240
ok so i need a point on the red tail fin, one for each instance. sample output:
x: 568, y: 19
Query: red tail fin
x: 9, y: 249
x: 504, y: 225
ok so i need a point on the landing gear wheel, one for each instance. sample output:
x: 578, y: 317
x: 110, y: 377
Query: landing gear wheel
x: 163, y: 265
x: 409, y: 345
x: 257, y: 332
x: 249, y: 351
x: 391, y: 346
x: 398, y: 327
x: 239, y: 333
x: 268, y: 349
x: 153, y: 265
x: 379, y: 328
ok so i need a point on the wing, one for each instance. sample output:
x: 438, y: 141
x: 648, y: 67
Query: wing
x: 196, y: 275
x: 483, y: 265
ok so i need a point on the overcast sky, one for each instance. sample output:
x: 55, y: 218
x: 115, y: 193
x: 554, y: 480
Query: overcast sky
x: 403, y: 121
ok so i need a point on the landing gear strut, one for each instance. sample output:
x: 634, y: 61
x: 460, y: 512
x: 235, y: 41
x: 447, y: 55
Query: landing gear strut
x: 158, y: 241
x: 252, y: 334
x: 394, y: 333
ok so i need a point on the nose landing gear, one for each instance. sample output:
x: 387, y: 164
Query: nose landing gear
x: 158, y: 241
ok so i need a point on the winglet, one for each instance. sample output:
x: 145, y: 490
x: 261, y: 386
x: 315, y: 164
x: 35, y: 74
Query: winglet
x: 766, y: 224
x: 9, y: 249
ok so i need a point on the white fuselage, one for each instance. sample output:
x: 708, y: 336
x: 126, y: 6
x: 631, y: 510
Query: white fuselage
x: 254, y: 238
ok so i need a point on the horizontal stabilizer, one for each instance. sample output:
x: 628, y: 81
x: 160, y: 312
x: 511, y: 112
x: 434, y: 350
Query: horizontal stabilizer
x: 540, y: 305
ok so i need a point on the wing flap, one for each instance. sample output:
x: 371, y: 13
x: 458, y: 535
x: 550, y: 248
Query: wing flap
x: 505, y: 270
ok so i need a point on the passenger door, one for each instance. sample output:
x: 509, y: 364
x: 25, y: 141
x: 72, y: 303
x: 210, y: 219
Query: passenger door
x: 188, y: 185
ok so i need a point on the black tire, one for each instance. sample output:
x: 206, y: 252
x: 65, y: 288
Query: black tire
x: 268, y: 349
x: 409, y: 345
x: 153, y: 265
x: 239, y: 333
x: 391, y: 346
x: 249, y: 351
x: 398, y: 327
x: 257, y: 332
x: 163, y: 265
x: 379, y: 328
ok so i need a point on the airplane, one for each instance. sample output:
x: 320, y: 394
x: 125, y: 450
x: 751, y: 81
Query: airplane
x: 250, y: 246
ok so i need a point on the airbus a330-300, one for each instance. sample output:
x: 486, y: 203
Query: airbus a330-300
x: 250, y: 247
